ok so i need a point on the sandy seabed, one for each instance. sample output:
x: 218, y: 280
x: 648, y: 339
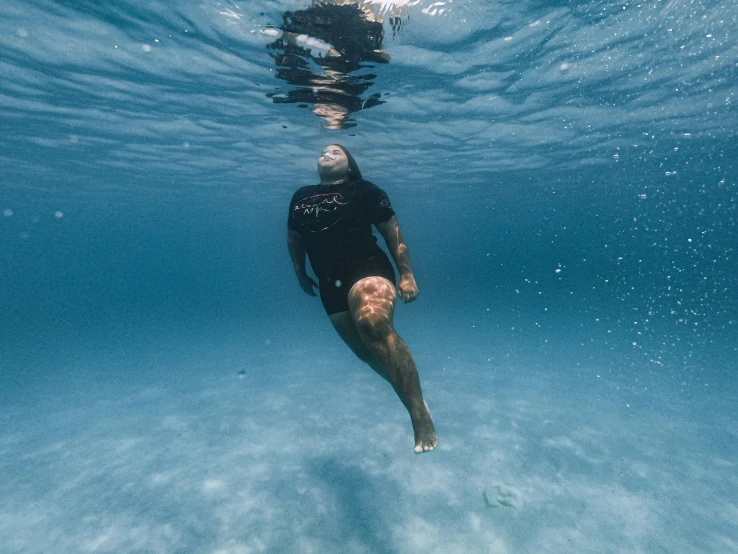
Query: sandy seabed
x: 207, y: 452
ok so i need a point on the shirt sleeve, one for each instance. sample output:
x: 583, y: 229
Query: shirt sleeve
x: 378, y: 204
x: 291, y: 223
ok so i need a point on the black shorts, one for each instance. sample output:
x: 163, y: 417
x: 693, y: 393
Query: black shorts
x: 334, y: 289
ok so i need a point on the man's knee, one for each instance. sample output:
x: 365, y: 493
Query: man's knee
x: 374, y: 291
x: 371, y: 304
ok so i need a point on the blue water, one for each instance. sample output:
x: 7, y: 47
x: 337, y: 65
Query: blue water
x: 565, y: 175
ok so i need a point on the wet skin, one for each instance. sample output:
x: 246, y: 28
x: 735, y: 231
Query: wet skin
x: 333, y: 166
x: 367, y: 326
x: 368, y: 330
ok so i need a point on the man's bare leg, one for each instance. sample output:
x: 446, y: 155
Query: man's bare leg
x: 344, y: 325
x: 371, y: 303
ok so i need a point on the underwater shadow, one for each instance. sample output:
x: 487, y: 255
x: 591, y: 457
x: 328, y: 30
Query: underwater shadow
x: 362, y: 515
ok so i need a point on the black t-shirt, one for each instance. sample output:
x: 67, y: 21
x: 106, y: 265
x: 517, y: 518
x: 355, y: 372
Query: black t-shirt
x: 335, y: 223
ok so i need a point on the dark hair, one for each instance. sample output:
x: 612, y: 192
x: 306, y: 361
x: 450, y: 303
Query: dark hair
x: 354, y: 171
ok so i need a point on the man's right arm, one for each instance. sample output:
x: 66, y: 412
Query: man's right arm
x: 296, y: 247
x: 297, y: 251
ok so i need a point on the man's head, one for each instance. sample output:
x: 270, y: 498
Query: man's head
x: 336, y: 163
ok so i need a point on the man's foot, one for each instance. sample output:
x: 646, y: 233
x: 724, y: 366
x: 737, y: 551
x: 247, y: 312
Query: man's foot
x: 425, y: 434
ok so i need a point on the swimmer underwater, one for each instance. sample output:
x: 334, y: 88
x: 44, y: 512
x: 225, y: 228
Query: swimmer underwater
x: 332, y: 223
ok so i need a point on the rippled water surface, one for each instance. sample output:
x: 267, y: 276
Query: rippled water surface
x: 565, y: 176
x: 150, y: 95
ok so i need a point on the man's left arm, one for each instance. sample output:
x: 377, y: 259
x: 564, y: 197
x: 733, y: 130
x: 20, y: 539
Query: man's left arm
x: 390, y: 230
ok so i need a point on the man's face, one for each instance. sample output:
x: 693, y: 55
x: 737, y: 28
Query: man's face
x: 333, y: 160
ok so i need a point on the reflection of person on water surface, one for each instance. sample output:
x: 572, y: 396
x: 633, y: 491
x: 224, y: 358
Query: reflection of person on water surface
x: 340, y: 36
x: 332, y: 223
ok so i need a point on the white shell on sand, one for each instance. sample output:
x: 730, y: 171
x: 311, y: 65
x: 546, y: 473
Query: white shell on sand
x: 501, y: 495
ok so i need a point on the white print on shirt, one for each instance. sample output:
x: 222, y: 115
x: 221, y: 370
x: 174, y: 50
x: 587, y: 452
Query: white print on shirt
x: 325, y: 207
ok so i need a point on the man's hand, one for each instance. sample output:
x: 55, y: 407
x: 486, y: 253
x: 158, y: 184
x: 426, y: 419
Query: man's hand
x: 307, y: 284
x: 407, y: 289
